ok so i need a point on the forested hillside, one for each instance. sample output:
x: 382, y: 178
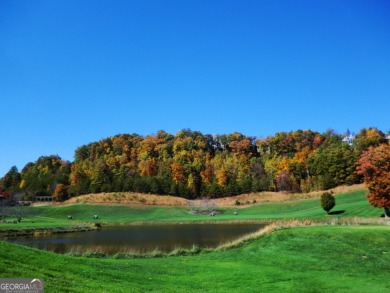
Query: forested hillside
x: 191, y: 164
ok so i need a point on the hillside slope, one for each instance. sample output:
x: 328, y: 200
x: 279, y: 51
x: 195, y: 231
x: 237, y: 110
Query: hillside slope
x: 160, y: 200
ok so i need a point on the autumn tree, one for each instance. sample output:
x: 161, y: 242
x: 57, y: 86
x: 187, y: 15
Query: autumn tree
x: 41, y: 177
x: 192, y: 165
x: 11, y: 180
x: 374, y: 165
x: 60, y: 192
x: 260, y: 179
x: 283, y: 181
x: 368, y: 137
x: 79, y: 179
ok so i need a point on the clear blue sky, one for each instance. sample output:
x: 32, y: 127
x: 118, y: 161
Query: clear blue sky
x: 73, y: 72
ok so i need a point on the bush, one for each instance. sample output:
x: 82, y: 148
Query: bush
x: 327, y: 201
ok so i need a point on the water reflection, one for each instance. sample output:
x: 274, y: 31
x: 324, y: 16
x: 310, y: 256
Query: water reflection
x: 141, y: 238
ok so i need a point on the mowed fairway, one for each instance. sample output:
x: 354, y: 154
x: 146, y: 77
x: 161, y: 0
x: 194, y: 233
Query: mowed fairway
x: 308, y: 259
x: 351, y: 204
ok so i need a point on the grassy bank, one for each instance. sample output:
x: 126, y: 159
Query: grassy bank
x: 351, y: 204
x: 303, y: 259
x: 37, y: 232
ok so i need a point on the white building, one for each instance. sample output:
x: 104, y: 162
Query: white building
x: 349, y: 138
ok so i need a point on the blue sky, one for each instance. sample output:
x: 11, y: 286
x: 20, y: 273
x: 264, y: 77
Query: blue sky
x: 73, y: 72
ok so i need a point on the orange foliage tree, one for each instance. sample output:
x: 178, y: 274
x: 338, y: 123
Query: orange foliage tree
x: 374, y: 165
x: 60, y: 192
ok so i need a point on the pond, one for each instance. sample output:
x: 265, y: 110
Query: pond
x: 141, y: 238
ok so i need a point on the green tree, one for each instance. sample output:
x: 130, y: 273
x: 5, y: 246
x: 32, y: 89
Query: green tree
x: 327, y: 201
x: 333, y: 165
x: 11, y: 180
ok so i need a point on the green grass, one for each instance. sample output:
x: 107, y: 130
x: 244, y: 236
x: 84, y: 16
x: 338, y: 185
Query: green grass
x: 300, y: 259
x: 354, y: 204
x: 305, y: 259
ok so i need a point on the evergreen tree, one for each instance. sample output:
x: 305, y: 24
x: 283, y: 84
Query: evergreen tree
x: 327, y: 201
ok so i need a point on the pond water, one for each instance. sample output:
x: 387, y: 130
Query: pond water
x: 141, y: 238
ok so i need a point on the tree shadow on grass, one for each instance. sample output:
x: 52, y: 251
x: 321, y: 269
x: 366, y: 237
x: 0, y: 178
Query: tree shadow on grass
x: 337, y: 212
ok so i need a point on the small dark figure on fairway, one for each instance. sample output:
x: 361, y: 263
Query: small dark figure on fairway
x: 327, y: 201
x: 96, y: 217
x: 70, y: 218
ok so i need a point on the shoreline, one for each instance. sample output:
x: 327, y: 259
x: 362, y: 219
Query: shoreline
x: 13, y: 233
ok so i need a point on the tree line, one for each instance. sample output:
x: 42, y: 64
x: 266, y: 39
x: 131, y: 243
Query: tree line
x: 191, y: 164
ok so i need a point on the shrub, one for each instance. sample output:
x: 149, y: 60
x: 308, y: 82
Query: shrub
x: 327, y: 201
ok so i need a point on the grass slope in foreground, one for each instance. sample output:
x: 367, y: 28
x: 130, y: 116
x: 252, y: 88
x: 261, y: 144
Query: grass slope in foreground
x: 304, y: 259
